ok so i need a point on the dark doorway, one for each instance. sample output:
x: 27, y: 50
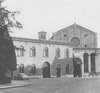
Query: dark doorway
x: 86, y: 61
x: 93, y: 62
x: 46, y: 70
x: 67, y: 68
x: 33, y: 69
x: 77, y: 67
x: 58, y: 70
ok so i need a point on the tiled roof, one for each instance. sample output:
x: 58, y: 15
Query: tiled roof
x: 40, y: 41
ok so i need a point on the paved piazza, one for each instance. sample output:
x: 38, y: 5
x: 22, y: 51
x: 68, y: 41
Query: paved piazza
x: 60, y: 85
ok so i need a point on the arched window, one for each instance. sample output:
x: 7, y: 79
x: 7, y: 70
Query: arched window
x: 46, y: 52
x: 57, y: 52
x: 67, y: 53
x: 17, y: 51
x: 22, y: 50
x: 32, y: 52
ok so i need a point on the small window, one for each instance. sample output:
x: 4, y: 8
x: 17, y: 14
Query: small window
x: 85, y: 45
x: 85, y: 35
x: 65, y: 35
x: 46, y: 52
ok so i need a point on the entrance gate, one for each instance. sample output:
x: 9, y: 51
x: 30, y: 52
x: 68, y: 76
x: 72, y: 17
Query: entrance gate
x: 46, y: 70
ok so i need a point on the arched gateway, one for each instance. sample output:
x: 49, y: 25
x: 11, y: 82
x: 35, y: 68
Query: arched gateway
x: 86, y: 61
x: 46, y: 70
x: 77, y: 67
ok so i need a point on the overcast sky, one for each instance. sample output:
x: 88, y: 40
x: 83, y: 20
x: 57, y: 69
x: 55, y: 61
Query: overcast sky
x: 53, y: 15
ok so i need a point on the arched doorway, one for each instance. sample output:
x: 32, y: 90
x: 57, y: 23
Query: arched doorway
x: 93, y: 62
x: 77, y: 67
x: 33, y: 69
x: 86, y: 61
x: 46, y: 70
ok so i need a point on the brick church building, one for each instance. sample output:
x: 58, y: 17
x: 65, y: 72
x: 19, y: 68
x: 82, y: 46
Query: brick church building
x: 72, y: 42
x: 84, y: 43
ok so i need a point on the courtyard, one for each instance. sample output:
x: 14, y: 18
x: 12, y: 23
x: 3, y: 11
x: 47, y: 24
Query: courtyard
x: 59, y: 85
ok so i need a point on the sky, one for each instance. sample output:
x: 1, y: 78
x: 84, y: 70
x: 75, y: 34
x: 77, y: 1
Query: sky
x: 53, y: 15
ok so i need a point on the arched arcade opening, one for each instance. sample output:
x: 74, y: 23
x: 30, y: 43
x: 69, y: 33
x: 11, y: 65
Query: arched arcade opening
x: 46, y: 70
x: 92, y: 62
x: 86, y: 62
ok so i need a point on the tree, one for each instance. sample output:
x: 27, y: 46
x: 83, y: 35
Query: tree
x: 7, y: 50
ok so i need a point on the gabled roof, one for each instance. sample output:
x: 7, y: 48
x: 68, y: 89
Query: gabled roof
x: 73, y: 26
x: 83, y: 28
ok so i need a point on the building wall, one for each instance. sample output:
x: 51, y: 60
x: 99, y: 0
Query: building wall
x: 88, y: 43
x: 39, y: 59
x: 80, y: 53
x: 86, y: 36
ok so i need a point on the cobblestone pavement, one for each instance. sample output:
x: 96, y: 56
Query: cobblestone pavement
x: 59, y: 85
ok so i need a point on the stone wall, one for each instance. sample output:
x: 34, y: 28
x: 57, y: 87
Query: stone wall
x: 87, y: 37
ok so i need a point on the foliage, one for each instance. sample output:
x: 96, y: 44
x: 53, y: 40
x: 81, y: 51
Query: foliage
x: 8, y: 17
x: 7, y: 51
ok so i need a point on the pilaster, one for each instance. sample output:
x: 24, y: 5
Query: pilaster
x: 89, y: 64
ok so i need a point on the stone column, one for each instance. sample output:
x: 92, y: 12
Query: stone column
x: 96, y: 63
x: 82, y: 66
x: 89, y: 64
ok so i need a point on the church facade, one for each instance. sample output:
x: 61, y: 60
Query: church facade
x: 84, y: 43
